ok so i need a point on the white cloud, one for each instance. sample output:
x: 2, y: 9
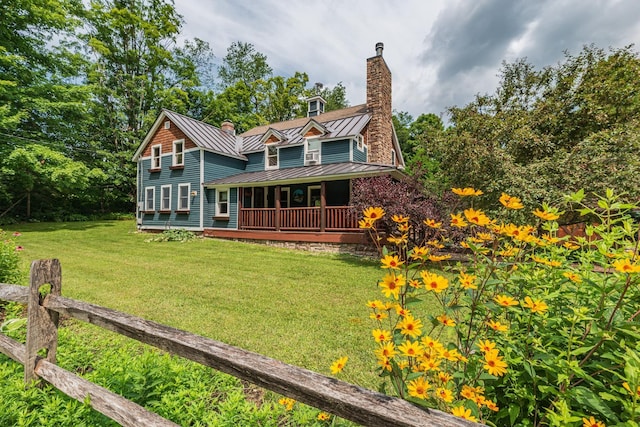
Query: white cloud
x: 441, y: 53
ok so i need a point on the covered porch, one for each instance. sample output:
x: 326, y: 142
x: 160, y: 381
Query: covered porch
x: 310, y: 204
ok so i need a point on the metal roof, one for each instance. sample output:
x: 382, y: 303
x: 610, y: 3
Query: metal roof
x: 328, y: 172
x: 205, y: 135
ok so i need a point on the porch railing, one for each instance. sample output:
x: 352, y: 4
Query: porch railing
x: 336, y: 218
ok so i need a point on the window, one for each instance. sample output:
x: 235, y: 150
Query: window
x: 165, y: 198
x: 360, y: 141
x: 150, y: 199
x: 313, y: 152
x: 393, y: 157
x: 167, y: 124
x: 156, y: 151
x: 222, y: 202
x: 178, y: 153
x: 272, y: 157
x: 183, y: 197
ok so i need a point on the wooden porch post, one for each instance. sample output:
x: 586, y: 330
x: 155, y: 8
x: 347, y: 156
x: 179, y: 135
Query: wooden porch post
x: 323, y: 206
x: 277, y: 196
x: 240, y: 202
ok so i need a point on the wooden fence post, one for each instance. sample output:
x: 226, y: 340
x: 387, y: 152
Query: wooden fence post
x: 42, y: 324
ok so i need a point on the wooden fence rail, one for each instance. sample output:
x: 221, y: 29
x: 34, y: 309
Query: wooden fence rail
x: 345, y: 400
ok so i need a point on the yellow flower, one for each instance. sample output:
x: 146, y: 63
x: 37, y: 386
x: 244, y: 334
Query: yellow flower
x: 403, y: 228
x: 626, y: 387
x: 398, y: 240
x: 409, y: 326
x: 444, y: 377
x: 385, y: 363
x: 486, y: 345
x: 414, y: 283
x: 491, y: 405
x: 509, y: 251
x: 505, y: 301
x: 537, y: 306
x: 476, y: 217
x: 391, y: 261
x: 445, y: 320
x: 467, y: 281
x: 419, y: 252
x: 546, y: 215
x: 497, y: 326
x: 510, y: 202
x: 401, y: 311
x: 400, y: 219
x: 411, y: 349
x: 431, y: 345
x: 571, y: 246
x: 375, y: 304
x: 468, y: 392
x: 338, y: 365
x: 429, y: 363
x: 323, y: 416
x: 451, y: 355
x: 366, y: 223
x: 387, y: 349
x: 467, y: 191
x: 494, y: 363
x: 438, y: 258
x: 391, y: 285
x: 625, y: 266
x: 464, y: 413
x: 458, y: 221
x: 287, y: 403
x: 418, y: 388
x: 592, y: 422
x: 434, y: 282
x: 444, y: 394
x: 435, y: 244
x: 432, y: 223
x: 373, y: 213
x: 378, y: 316
x: 381, y: 335
x: 574, y: 277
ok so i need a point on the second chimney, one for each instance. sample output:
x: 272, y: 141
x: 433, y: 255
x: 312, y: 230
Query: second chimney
x: 228, y: 127
x: 380, y: 139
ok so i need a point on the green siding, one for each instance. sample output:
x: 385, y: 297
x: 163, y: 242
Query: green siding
x: 291, y: 157
x: 218, y: 166
x: 189, y: 175
x: 232, y: 222
x: 255, y: 162
x: 335, y: 151
x: 358, y: 156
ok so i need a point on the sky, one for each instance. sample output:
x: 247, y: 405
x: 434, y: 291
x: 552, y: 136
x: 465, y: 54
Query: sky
x: 441, y: 52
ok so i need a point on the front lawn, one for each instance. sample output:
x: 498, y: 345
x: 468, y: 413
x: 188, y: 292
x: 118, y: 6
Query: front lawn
x: 302, y: 308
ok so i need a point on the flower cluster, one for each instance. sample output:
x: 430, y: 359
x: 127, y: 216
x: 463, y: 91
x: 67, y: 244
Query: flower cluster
x: 490, y: 330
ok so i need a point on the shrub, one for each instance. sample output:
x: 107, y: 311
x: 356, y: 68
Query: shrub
x: 531, y: 330
x: 9, y: 259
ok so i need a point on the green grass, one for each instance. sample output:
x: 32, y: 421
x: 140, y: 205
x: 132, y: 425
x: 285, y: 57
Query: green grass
x: 301, y: 308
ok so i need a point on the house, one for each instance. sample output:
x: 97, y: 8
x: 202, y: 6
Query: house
x: 287, y: 181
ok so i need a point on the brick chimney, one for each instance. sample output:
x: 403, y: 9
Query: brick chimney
x: 379, y: 105
x: 228, y: 127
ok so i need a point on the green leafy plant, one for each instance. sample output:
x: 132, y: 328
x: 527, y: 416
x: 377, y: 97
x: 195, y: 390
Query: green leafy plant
x: 174, y: 235
x: 533, y: 329
x: 9, y: 257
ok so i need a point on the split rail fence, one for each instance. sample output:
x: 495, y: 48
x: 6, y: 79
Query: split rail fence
x: 345, y: 400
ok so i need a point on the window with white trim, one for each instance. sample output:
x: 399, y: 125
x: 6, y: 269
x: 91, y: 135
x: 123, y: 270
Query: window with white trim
x: 156, y: 151
x: 393, y: 157
x: 272, y: 157
x: 150, y: 199
x: 178, y: 152
x: 312, y: 155
x: 222, y: 202
x: 360, y: 142
x: 184, y: 197
x: 167, y: 124
x: 165, y: 198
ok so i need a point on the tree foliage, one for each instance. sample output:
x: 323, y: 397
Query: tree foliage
x: 547, y: 132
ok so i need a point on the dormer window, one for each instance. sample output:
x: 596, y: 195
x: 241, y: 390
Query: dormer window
x: 178, y: 152
x: 316, y: 106
x: 272, y: 157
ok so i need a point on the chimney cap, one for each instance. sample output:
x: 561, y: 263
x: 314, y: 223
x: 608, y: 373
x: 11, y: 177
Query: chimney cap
x: 379, y: 47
